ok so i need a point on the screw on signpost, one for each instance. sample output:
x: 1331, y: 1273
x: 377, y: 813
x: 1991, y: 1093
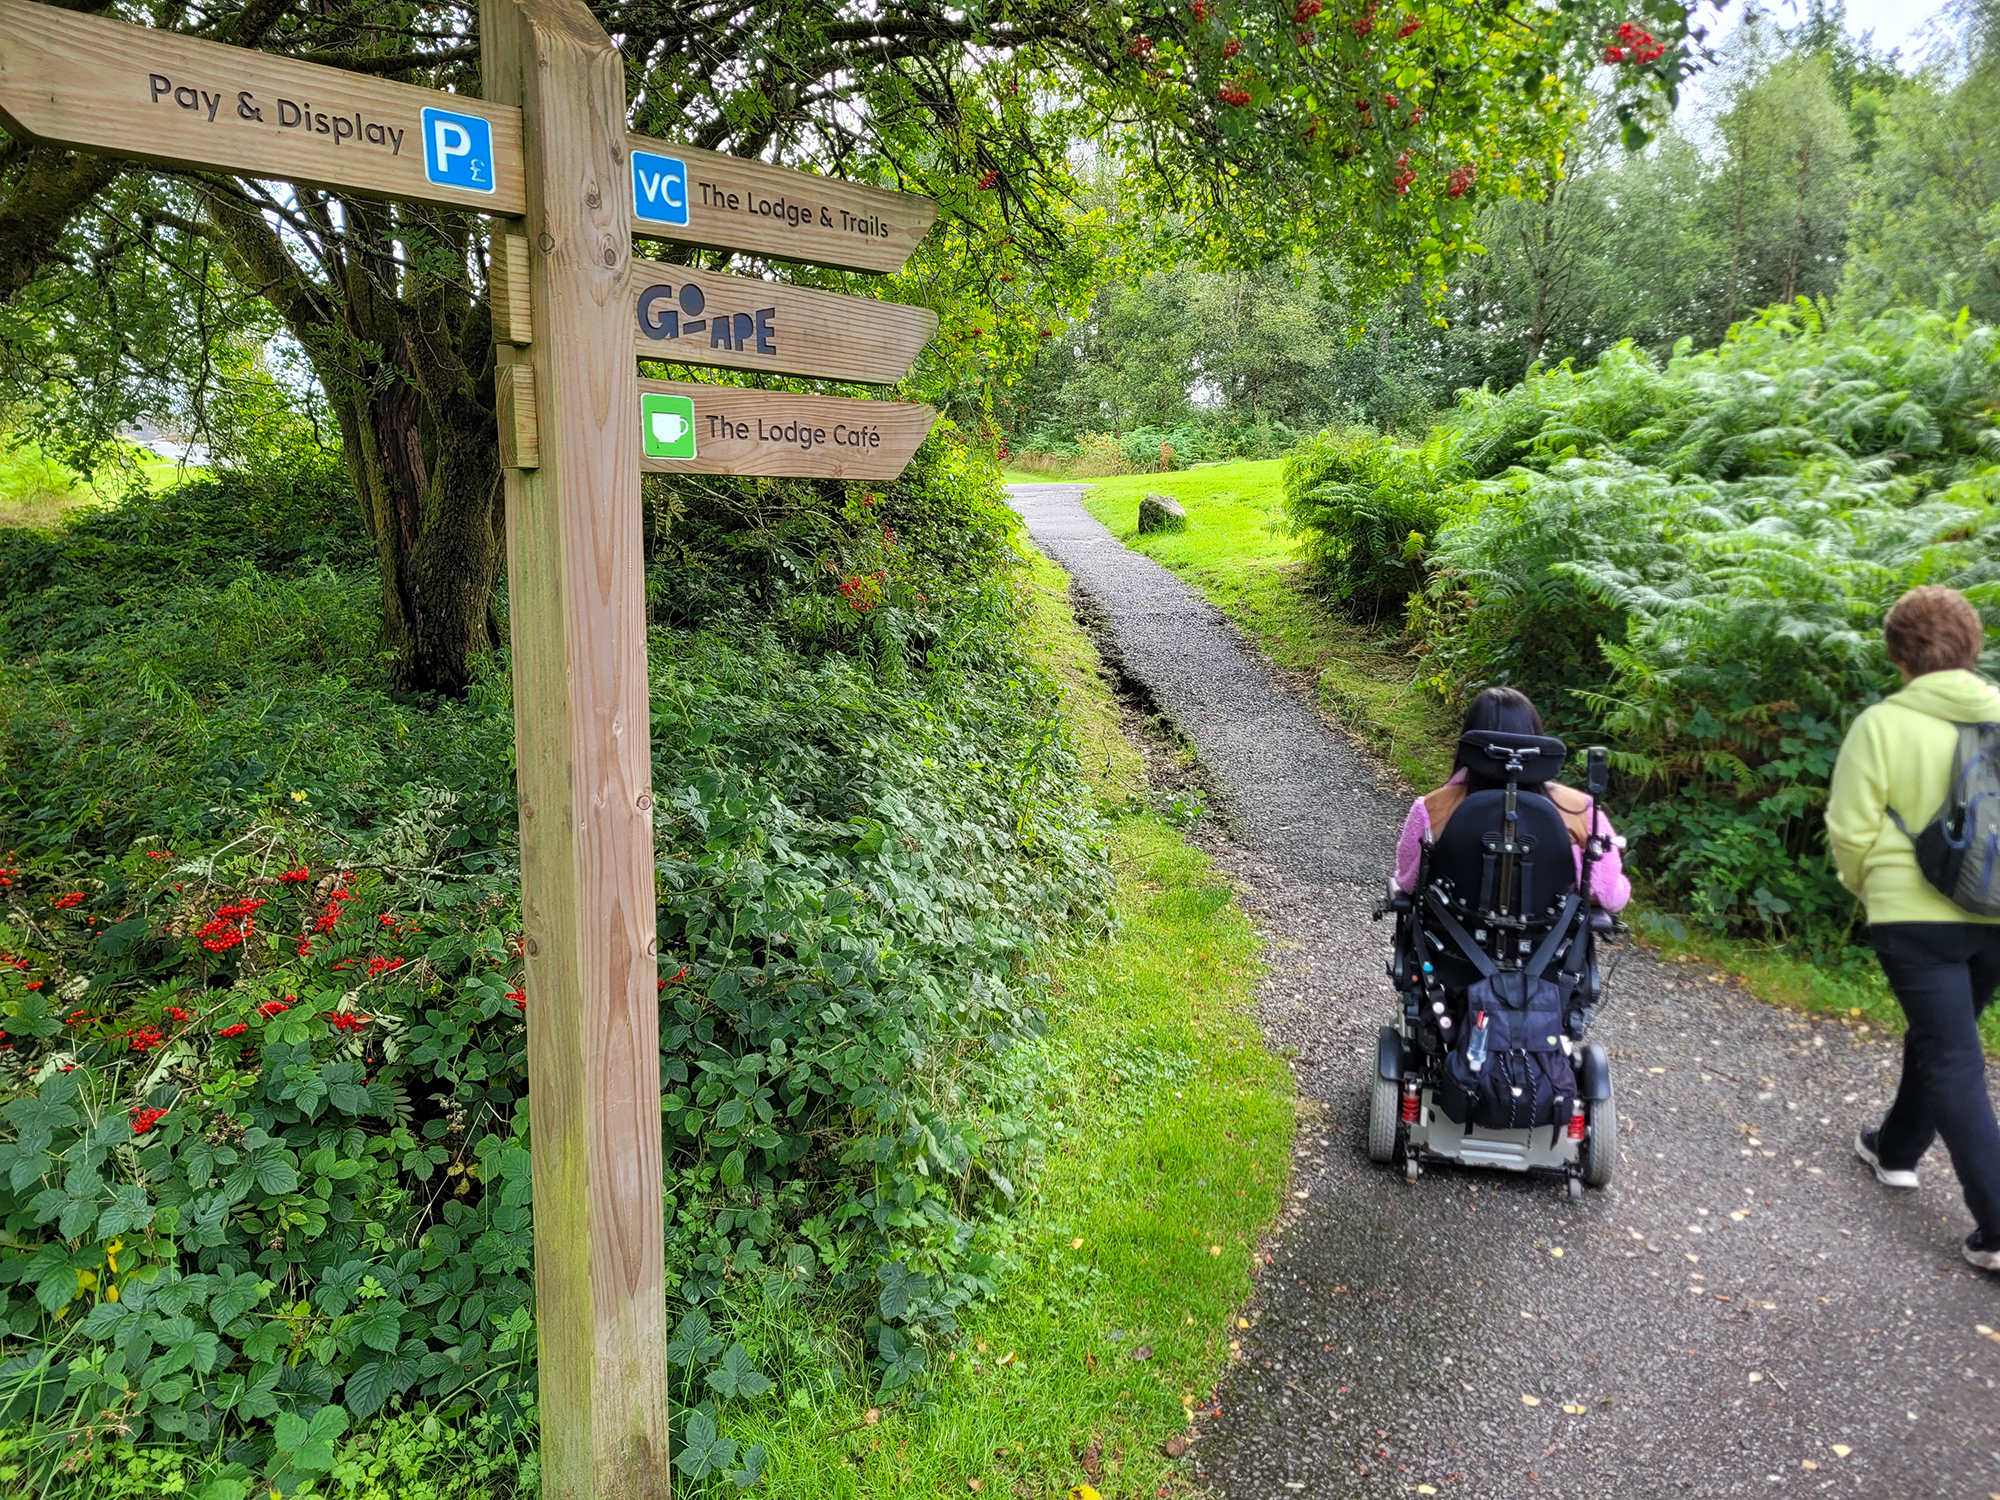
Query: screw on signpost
x: 581, y: 715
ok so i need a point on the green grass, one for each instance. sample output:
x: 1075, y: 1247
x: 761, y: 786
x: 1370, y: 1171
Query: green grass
x: 37, y: 490
x: 1172, y: 1159
x: 1236, y: 550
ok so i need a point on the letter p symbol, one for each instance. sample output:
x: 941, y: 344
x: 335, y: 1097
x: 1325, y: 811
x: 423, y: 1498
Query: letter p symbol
x: 458, y: 150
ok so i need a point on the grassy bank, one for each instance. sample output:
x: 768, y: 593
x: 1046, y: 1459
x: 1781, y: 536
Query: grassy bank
x: 1237, y: 552
x: 1136, y: 1244
x: 37, y: 490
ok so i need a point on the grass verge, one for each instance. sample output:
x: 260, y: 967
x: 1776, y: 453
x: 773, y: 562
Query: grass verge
x: 1236, y: 550
x: 1137, y: 1241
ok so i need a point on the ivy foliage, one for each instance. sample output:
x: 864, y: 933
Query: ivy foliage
x: 264, y: 1118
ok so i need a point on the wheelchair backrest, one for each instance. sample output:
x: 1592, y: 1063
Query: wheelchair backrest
x: 1468, y: 856
x: 1504, y: 901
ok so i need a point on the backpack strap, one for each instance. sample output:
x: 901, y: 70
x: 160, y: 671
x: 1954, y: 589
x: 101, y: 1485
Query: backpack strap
x: 1964, y: 755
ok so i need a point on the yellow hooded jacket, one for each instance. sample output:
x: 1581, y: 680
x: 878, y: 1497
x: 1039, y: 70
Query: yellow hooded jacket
x: 1898, y: 754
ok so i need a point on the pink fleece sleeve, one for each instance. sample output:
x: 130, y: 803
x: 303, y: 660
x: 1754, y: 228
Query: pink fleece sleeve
x: 1409, y: 848
x: 1609, y: 887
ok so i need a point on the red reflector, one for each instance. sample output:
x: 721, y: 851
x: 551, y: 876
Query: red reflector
x: 1576, y: 1121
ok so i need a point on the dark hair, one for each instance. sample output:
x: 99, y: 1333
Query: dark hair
x: 1933, y: 629
x: 1497, y: 710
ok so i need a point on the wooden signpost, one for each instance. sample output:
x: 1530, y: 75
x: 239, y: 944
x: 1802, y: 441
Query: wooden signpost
x: 548, y: 156
x: 721, y: 429
x: 182, y: 102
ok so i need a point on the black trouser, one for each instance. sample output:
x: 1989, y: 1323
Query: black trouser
x: 1944, y: 974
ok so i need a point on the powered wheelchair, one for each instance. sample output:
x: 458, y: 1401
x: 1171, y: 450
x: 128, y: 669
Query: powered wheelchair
x: 1495, y: 969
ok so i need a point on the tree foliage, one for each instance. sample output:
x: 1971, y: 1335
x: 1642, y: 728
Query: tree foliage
x: 1256, y: 127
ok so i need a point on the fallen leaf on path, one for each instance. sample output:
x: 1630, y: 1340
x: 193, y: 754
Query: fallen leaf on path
x: 1215, y: 1249
x: 1841, y: 1450
x: 1242, y: 1322
x: 1755, y: 1377
x: 1576, y: 1411
x: 1806, y: 1463
x: 1077, y: 1243
x: 1527, y: 1400
x: 1557, y: 1252
x: 1009, y: 1357
x: 1425, y: 1489
x: 1301, y: 1193
x: 1984, y: 1332
x: 974, y: 1485
x: 1175, y: 1446
x: 871, y: 1416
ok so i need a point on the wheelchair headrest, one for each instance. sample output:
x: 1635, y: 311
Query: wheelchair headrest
x: 1523, y: 758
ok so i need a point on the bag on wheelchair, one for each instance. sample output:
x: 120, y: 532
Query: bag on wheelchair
x: 1526, y: 1078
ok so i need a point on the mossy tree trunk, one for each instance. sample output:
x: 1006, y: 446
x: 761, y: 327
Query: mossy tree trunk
x: 404, y: 353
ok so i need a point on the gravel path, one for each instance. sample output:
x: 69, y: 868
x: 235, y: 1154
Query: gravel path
x: 1743, y: 1312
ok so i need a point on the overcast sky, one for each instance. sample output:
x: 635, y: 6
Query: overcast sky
x: 1896, y: 23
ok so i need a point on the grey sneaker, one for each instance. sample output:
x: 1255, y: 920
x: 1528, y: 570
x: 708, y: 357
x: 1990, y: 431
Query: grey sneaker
x: 1983, y: 1250
x: 1864, y: 1147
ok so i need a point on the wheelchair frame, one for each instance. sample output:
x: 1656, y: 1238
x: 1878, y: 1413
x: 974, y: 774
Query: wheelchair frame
x: 1405, y: 1125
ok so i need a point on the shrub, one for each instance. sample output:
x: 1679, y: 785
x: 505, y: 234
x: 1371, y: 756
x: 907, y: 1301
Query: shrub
x: 1365, y: 509
x: 1693, y: 560
x: 263, y: 1165
x: 1099, y: 455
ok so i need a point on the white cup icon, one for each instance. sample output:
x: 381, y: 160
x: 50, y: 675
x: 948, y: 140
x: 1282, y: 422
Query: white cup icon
x: 669, y: 427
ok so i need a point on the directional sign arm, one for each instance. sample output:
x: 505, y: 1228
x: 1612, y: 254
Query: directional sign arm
x: 727, y: 202
x: 685, y: 316
x: 720, y: 429
x: 181, y: 101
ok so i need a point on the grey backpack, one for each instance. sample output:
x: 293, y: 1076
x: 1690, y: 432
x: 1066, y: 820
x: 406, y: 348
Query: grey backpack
x: 1959, y: 849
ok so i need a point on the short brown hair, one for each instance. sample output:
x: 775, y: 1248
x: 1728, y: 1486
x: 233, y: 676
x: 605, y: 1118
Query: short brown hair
x: 1933, y: 629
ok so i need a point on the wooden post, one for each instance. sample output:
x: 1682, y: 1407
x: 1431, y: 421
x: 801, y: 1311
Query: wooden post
x: 581, y: 717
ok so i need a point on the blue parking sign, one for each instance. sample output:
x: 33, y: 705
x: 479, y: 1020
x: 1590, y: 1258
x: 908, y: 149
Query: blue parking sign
x: 659, y: 187
x: 458, y: 150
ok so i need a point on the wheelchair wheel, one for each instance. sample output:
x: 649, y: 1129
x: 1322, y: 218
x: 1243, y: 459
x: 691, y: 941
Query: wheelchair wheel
x: 1600, y: 1141
x: 1384, y: 1118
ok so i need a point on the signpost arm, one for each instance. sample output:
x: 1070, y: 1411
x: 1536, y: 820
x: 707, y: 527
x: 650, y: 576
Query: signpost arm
x: 581, y: 711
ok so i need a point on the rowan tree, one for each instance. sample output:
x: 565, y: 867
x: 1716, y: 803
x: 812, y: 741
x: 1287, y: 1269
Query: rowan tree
x: 1239, y: 130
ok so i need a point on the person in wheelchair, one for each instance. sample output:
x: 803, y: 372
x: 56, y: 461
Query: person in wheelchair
x: 1503, y: 879
x: 1508, y: 711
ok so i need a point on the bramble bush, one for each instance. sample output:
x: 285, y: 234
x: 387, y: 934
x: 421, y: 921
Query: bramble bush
x: 263, y: 1166
x: 1691, y: 560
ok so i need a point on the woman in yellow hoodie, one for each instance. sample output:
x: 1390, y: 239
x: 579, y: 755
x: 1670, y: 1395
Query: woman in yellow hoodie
x: 1942, y: 962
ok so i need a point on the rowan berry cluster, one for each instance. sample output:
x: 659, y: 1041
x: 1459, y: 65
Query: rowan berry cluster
x: 1638, y: 47
x: 230, y: 927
